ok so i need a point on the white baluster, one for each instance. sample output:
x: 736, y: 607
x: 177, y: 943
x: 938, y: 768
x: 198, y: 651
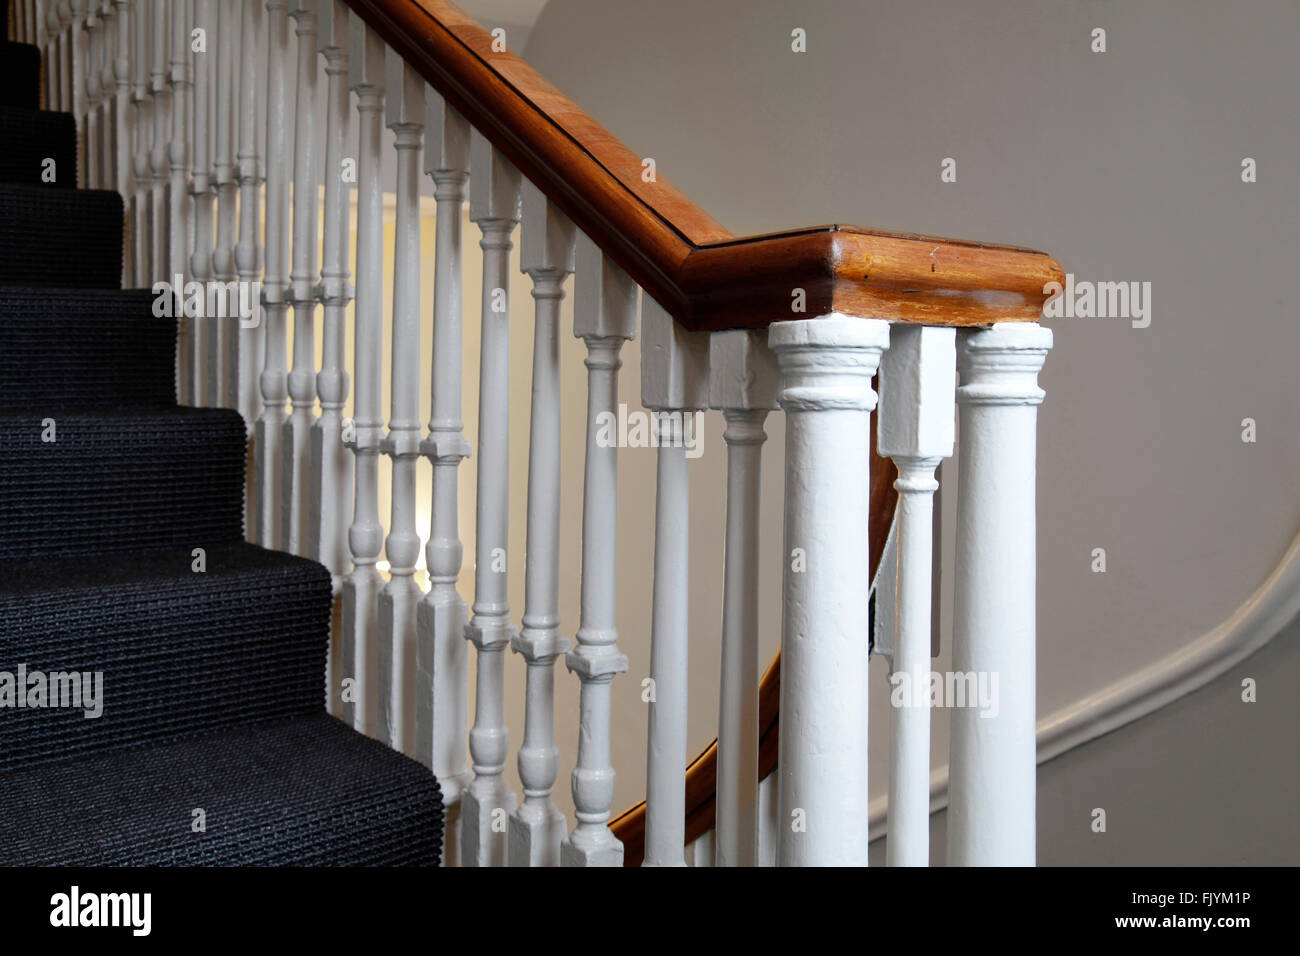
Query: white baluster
x: 91, y: 35
x: 547, y: 253
x: 296, y: 436
x: 331, y: 489
x: 743, y: 382
x: 107, y: 85
x: 366, y: 535
x: 222, y: 373
x: 178, y: 219
x: 72, y: 15
x: 991, y: 809
x: 141, y: 173
x: 442, y: 655
x: 674, y: 385
x: 202, y: 354
x: 494, y: 206
x: 604, y: 317
x: 161, y: 96
x: 397, y: 601
x: 250, y: 174
x: 916, y: 431
x: 124, y: 178
x: 275, y: 287
x: 826, y: 366
x: 53, y: 65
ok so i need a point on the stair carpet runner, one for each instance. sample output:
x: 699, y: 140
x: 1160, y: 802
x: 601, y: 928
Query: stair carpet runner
x: 195, y: 661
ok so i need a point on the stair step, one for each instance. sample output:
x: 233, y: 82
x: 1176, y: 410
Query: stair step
x: 20, y: 75
x: 116, y: 479
x: 179, y: 650
x: 31, y: 138
x: 304, y: 791
x: 70, y: 347
x: 66, y: 238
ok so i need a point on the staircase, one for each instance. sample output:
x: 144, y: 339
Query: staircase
x: 162, y: 682
x: 224, y: 562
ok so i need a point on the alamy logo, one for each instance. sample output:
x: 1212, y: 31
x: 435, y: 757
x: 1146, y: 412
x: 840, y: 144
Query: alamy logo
x: 642, y: 429
x: 35, y: 690
x: 1082, y: 299
x: 74, y: 908
x: 208, y: 300
x: 975, y: 689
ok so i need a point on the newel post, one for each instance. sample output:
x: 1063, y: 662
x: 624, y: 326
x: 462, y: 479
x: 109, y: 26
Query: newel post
x: 993, y: 766
x: 826, y: 365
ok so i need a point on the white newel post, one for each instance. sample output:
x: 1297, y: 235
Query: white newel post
x: 331, y: 487
x: 296, y: 438
x: 366, y: 64
x: 992, y: 798
x: 275, y: 287
x: 442, y: 654
x: 743, y: 383
x: 250, y: 173
x: 604, y: 317
x: 674, y: 386
x: 915, y: 430
x: 397, y: 601
x: 826, y: 365
x: 494, y: 200
x: 547, y: 255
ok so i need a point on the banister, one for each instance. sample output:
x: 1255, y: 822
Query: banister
x: 704, y: 276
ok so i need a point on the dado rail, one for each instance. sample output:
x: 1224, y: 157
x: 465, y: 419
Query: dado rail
x: 184, y: 107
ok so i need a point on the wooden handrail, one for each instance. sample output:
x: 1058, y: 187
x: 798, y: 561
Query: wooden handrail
x: 704, y: 276
x: 707, y: 278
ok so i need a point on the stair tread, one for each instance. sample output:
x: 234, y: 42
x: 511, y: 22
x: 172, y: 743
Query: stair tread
x: 30, y: 137
x: 20, y: 73
x: 69, y: 238
x: 302, y: 791
x: 177, y: 648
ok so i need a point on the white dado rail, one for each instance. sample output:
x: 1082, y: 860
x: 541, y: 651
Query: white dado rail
x: 185, y: 109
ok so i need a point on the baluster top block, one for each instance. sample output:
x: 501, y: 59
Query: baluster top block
x: 494, y: 186
x: 604, y: 300
x: 674, y: 361
x: 367, y: 55
x: 404, y: 90
x: 743, y: 371
x: 446, y: 137
x: 917, y: 392
x: 549, y: 238
x: 333, y: 26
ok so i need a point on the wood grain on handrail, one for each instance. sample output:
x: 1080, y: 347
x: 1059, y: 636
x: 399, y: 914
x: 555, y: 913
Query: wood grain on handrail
x: 704, y: 276
x: 707, y: 278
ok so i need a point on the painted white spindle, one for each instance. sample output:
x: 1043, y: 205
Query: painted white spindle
x: 160, y: 93
x: 331, y: 487
x: 124, y: 178
x: 916, y: 430
x: 92, y: 35
x: 743, y: 383
x: 991, y: 804
x: 442, y: 654
x: 366, y: 66
x: 141, y: 172
x: 604, y: 317
x: 826, y: 365
x: 250, y: 174
x: 53, y: 62
x: 674, y: 385
x: 107, y: 15
x: 204, y: 341
x: 397, y: 601
x: 72, y: 13
x: 547, y: 253
x: 222, y: 372
x: 296, y: 435
x: 494, y: 205
x: 178, y: 208
x: 267, y: 456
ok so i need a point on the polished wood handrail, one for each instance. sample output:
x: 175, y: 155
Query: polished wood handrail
x: 707, y: 278
x: 704, y: 276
